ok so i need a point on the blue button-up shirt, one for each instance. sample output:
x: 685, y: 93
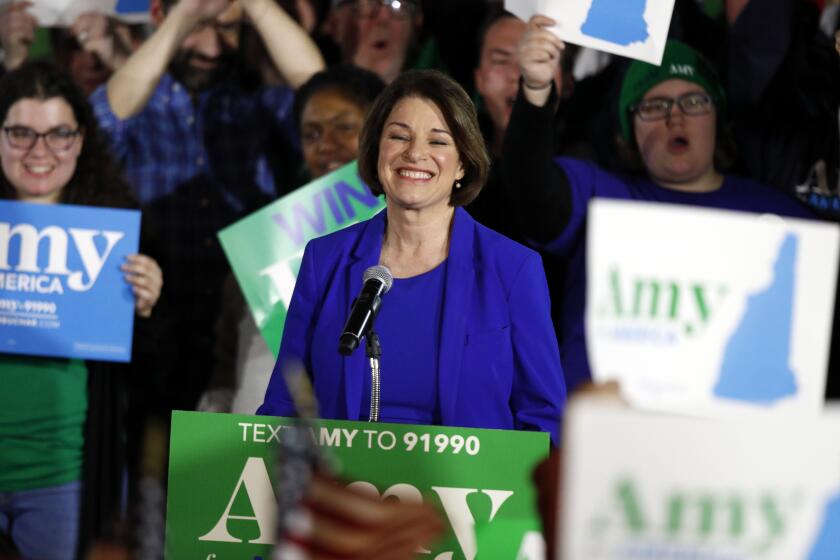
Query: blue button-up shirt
x: 219, y: 138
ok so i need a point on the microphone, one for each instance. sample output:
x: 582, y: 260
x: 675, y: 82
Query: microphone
x: 377, y: 281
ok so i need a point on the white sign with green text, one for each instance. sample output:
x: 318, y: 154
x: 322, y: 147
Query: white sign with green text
x: 709, y: 311
x: 648, y: 485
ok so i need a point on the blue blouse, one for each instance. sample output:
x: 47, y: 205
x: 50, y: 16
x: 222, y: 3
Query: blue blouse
x: 409, y: 394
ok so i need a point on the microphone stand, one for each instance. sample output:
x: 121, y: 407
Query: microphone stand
x: 374, y: 351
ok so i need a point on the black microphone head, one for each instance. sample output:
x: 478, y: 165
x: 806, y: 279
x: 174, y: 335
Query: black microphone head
x: 347, y: 343
x: 381, y: 273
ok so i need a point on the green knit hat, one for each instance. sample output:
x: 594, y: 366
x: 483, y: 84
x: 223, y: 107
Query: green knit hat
x: 679, y: 62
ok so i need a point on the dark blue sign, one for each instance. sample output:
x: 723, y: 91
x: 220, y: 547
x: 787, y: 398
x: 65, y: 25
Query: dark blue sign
x: 62, y: 292
x: 127, y: 7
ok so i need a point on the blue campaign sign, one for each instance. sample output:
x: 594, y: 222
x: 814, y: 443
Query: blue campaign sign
x: 62, y: 292
x: 130, y: 7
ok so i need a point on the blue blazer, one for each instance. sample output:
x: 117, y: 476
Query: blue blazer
x: 499, y: 363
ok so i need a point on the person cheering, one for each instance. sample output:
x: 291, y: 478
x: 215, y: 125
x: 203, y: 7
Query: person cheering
x: 673, y: 126
x: 194, y: 135
x: 61, y: 473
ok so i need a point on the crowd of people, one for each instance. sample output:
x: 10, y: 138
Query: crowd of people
x: 479, y: 128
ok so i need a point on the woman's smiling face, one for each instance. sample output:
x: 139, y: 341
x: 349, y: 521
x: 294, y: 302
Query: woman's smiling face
x: 330, y: 126
x: 418, y: 160
x: 39, y: 173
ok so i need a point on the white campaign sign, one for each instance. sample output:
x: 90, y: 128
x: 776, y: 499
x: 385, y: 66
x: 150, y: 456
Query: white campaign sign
x: 645, y: 485
x: 631, y: 28
x: 62, y: 13
x: 707, y: 311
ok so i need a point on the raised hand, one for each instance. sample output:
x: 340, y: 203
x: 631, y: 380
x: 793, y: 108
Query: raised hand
x: 201, y: 11
x: 539, y: 54
x: 109, y: 39
x: 146, y: 279
x: 17, y: 32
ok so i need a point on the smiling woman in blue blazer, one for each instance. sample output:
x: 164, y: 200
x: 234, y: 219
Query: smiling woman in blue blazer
x: 466, y: 334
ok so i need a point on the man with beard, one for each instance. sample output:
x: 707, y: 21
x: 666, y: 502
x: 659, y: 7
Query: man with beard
x: 192, y: 137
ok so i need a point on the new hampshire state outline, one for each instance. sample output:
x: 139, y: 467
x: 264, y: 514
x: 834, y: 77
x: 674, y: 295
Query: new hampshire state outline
x: 618, y: 21
x: 755, y: 363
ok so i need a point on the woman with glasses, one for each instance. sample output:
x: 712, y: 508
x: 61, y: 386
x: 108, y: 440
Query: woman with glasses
x: 672, y: 123
x: 61, y: 472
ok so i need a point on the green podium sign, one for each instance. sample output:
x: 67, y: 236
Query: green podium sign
x: 222, y: 504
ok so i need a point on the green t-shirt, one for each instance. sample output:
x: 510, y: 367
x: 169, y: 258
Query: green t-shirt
x: 43, y: 405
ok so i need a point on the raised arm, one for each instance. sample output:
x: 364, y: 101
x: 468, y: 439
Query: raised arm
x: 17, y: 32
x: 106, y: 37
x: 131, y: 86
x: 291, y: 49
x: 538, y: 188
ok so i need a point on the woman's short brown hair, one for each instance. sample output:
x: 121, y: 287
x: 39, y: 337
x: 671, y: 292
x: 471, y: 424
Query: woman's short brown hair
x: 459, y: 114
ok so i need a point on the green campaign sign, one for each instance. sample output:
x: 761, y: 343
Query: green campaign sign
x: 222, y: 503
x: 265, y: 249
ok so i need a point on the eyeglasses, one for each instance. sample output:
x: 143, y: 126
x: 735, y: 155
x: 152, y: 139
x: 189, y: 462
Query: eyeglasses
x: 401, y: 9
x: 691, y: 104
x: 59, y: 139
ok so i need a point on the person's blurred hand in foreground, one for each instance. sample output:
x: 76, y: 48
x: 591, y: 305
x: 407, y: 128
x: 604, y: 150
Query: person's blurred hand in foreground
x: 338, y: 522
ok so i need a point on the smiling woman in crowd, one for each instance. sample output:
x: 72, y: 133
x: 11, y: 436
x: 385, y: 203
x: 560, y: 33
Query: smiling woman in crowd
x: 465, y: 330
x: 329, y: 111
x: 61, y: 472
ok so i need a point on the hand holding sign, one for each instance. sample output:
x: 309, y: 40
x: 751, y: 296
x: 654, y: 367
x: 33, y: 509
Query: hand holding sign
x: 539, y: 53
x: 104, y: 36
x: 17, y: 32
x: 146, y: 279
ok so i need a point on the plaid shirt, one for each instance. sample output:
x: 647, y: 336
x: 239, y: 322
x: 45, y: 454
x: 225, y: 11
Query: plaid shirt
x: 197, y: 165
x: 218, y: 140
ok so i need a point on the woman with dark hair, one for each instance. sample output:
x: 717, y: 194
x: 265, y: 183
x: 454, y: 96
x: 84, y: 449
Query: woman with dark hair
x: 61, y: 468
x: 465, y: 330
x: 95, y: 181
x: 329, y: 112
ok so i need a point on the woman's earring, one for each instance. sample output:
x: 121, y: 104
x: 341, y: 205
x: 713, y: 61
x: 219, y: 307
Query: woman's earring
x: 457, y: 184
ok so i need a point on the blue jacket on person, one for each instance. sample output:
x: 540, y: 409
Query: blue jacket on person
x: 498, y: 364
